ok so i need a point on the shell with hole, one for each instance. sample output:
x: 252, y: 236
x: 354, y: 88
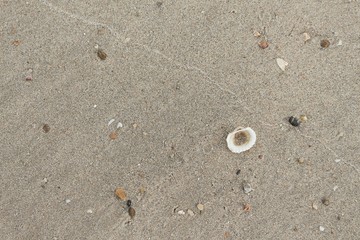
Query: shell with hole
x: 241, y: 139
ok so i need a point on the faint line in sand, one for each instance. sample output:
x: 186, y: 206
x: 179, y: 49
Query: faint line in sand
x: 123, y: 39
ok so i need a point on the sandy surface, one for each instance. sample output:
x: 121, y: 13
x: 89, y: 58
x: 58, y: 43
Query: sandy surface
x: 179, y: 76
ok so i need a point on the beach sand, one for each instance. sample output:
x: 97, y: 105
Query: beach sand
x: 151, y: 112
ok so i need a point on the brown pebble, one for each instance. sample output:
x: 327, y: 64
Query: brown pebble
x: 113, y: 135
x: 131, y: 212
x: 46, y: 128
x: 301, y: 160
x: 263, y: 44
x: 325, y: 43
x: 16, y: 43
x: 247, y: 207
x: 261, y: 156
x: 101, y: 54
x: 325, y: 201
x: 120, y: 193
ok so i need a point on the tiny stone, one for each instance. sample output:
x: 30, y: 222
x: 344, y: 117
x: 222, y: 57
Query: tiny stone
x: 67, y: 201
x: 89, y: 211
x: 294, y: 121
x: 301, y: 160
x: 303, y: 118
x: 263, y: 44
x: 113, y: 135
x: 315, y: 206
x: 337, y: 160
x: 325, y: 43
x: 247, y: 188
x: 101, y: 54
x: 247, y: 207
x: 181, y: 212
x: 200, y: 207
x: 321, y: 228
x: 190, y: 212
x: 325, y: 201
x: 306, y: 37
x: 45, y: 180
x: 335, y: 188
x: 131, y: 212
x: 257, y: 34
x: 238, y: 172
x: 46, y: 128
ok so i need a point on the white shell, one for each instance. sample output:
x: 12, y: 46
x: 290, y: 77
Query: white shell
x: 281, y: 63
x: 249, y: 139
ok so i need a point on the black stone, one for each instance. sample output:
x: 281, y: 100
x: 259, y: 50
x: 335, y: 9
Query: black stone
x: 294, y: 121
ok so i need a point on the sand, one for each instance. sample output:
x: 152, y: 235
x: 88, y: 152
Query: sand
x: 152, y: 116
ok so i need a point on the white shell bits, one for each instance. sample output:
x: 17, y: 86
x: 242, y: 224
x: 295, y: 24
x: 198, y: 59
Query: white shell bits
x: 241, y: 139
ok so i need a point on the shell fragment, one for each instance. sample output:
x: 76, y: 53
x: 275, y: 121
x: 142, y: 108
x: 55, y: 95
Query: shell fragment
x: 241, y: 139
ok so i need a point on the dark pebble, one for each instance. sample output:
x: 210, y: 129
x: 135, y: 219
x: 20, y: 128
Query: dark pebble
x: 294, y: 121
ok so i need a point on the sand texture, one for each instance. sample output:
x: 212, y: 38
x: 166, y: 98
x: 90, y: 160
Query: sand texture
x: 141, y: 95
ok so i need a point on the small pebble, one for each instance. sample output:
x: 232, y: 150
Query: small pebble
x: 131, y: 212
x: 257, y: 34
x: 294, y: 121
x: 325, y: 201
x: 67, y: 201
x: 46, y: 128
x: 89, y: 211
x: 190, y: 212
x: 101, y: 54
x: 120, y: 193
x: 181, y: 212
x: 306, y: 37
x: 247, y: 207
x: 119, y: 125
x: 200, y: 207
x: 263, y: 44
x: 247, y: 188
x: 303, y: 118
x: 321, y: 228
x: 301, y: 160
x: 337, y: 160
x: 113, y: 135
x: 315, y: 206
x: 238, y: 172
x: 324, y: 43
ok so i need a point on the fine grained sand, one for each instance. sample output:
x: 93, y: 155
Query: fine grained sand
x: 179, y: 76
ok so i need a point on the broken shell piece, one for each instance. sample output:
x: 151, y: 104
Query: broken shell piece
x: 241, y: 139
x: 281, y: 63
x: 306, y: 36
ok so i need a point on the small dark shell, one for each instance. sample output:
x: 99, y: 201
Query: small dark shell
x: 294, y: 121
x: 101, y: 54
x: 324, y: 43
x: 46, y: 128
x: 131, y: 212
x: 128, y: 203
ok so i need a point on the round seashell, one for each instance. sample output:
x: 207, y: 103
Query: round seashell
x: 241, y: 139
